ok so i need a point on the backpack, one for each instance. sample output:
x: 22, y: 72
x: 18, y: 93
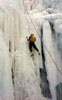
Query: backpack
x: 32, y: 38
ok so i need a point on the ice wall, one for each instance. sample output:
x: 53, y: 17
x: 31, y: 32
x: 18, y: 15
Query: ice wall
x: 6, y: 87
x: 52, y: 51
x: 26, y: 74
x: 50, y: 66
x: 10, y: 28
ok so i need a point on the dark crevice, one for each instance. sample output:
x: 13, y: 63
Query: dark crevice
x: 9, y: 46
x: 59, y: 91
x: 52, y: 27
x: 43, y: 75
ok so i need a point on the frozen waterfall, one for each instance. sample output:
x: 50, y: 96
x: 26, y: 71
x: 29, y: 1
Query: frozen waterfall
x: 6, y: 87
x: 37, y: 77
x: 27, y: 76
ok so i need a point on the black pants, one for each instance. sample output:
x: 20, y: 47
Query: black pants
x: 32, y: 44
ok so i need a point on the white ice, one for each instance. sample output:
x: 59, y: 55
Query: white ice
x: 6, y: 87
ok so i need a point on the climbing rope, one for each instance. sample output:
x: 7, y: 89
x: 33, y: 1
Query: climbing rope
x: 26, y: 17
x: 42, y: 41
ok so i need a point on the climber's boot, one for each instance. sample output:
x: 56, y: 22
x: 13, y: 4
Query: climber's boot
x: 31, y: 53
x: 39, y: 52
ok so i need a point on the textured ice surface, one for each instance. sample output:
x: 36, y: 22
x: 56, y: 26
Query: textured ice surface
x: 26, y: 69
x: 6, y: 87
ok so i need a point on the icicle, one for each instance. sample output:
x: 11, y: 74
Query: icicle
x: 50, y: 66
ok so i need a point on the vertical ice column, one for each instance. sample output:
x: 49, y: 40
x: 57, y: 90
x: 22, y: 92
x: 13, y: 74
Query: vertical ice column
x: 58, y: 36
x: 6, y: 87
x: 50, y: 66
x: 26, y: 82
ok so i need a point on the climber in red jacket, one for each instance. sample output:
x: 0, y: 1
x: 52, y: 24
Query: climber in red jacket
x: 32, y: 40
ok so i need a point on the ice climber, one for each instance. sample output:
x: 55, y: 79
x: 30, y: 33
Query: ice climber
x: 32, y: 40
